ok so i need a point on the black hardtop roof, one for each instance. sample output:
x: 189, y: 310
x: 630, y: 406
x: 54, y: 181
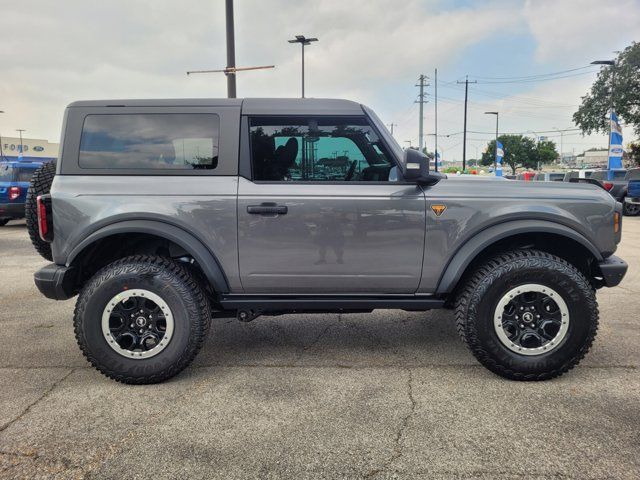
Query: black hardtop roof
x: 250, y: 106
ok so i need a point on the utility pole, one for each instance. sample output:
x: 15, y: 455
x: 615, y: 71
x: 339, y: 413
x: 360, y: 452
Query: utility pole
x: 391, y: 125
x: 231, y: 69
x: 435, y: 151
x: 464, y: 135
x: 302, y: 40
x: 421, y: 101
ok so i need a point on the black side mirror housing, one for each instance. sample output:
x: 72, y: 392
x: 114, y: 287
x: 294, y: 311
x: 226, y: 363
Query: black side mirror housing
x: 415, y: 168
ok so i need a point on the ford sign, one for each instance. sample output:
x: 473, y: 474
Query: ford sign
x: 38, y: 148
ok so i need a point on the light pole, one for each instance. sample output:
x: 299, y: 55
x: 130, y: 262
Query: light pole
x: 495, y: 160
x: 561, y: 140
x: 302, y: 40
x: 20, y: 130
x: 1, y: 153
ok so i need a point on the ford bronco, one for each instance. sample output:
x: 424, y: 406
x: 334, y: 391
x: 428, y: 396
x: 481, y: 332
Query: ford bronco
x: 165, y: 214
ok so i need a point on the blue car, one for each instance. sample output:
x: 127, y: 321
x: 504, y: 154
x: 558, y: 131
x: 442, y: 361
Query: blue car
x: 14, y: 183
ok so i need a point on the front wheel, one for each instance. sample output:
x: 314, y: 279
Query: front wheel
x: 141, y: 319
x: 630, y: 209
x: 527, y: 315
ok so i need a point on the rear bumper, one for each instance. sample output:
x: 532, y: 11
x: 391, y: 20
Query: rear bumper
x: 12, y: 210
x: 613, y: 270
x: 634, y: 200
x: 55, y: 281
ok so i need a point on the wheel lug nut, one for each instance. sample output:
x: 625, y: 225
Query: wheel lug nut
x: 132, y: 325
x: 537, y: 316
x: 141, y: 330
x: 521, y: 325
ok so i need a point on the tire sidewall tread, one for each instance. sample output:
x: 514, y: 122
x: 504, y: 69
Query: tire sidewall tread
x: 475, y: 306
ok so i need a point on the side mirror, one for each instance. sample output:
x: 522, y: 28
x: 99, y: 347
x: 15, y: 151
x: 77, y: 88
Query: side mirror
x: 415, y: 168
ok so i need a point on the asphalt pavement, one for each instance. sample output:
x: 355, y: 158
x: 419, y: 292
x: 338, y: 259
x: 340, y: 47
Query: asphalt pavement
x: 385, y: 395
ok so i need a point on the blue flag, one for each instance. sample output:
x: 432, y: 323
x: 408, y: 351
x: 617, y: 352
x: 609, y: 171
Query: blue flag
x: 615, y: 145
x: 499, y: 156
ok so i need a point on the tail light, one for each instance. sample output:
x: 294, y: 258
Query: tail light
x: 14, y: 192
x: 607, y: 186
x: 45, y: 220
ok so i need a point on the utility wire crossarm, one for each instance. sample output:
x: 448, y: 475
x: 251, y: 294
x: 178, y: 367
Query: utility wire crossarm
x: 229, y: 70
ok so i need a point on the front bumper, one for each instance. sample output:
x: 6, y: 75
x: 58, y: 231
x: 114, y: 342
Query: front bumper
x: 56, y: 281
x: 12, y: 210
x: 613, y: 270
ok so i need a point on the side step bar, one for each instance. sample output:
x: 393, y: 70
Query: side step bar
x: 321, y: 303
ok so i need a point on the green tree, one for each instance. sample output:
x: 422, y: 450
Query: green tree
x: 633, y: 150
x: 521, y: 151
x: 592, y: 113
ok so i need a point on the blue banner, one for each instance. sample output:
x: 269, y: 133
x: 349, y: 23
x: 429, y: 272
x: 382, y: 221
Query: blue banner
x: 615, y: 145
x: 499, y: 157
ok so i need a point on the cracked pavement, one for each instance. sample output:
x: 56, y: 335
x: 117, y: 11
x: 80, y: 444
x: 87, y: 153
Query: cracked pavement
x: 391, y: 394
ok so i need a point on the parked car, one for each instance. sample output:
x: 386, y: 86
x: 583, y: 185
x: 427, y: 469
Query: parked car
x: 165, y: 215
x: 618, y: 185
x: 526, y: 176
x: 14, y: 182
x: 549, y: 176
x: 633, y: 194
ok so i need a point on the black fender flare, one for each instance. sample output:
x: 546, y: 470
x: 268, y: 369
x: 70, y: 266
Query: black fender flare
x: 200, y: 253
x: 473, y: 246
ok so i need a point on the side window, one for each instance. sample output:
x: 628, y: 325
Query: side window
x: 299, y: 149
x: 171, y: 141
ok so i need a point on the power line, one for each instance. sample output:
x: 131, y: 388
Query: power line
x: 464, y: 141
x: 421, y: 101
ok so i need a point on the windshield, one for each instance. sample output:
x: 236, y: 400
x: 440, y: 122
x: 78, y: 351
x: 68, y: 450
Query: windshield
x: 6, y: 173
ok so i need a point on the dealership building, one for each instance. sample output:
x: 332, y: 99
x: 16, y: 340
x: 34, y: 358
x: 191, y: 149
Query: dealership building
x: 34, y: 149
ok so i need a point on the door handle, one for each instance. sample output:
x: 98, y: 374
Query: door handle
x: 267, y: 209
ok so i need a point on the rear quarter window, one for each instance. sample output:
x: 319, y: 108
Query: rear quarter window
x: 6, y: 173
x: 163, y: 141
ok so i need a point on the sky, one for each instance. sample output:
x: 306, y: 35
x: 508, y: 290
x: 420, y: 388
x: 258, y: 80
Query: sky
x: 371, y: 51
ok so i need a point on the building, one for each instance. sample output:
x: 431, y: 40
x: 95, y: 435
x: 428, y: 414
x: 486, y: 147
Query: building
x: 35, y: 149
x: 593, y: 159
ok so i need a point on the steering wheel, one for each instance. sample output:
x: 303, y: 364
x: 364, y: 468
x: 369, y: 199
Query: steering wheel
x: 351, y: 171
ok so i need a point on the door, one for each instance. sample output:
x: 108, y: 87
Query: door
x: 324, y: 212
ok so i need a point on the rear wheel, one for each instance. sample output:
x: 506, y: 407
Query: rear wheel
x: 527, y: 315
x: 631, y: 209
x: 141, y: 319
x: 40, y: 185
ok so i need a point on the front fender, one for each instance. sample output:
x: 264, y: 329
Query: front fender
x: 472, y: 247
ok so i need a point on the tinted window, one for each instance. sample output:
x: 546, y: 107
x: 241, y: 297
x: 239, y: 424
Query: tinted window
x: 25, y: 174
x: 6, y: 173
x: 556, y: 177
x: 150, y: 141
x: 317, y: 149
x: 619, y: 174
x: 633, y: 174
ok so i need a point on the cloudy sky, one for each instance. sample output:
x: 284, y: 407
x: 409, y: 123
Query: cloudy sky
x: 372, y: 51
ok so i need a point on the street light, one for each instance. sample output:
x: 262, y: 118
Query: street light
x: 495, y: 160
x: 561, y: 138
x: 20, y: 130
x: 302, y: 40
x: 1, y: 153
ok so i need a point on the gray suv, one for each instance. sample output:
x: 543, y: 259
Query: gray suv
x: 165, y: 214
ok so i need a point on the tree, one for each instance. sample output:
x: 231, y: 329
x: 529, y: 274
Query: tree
x: 592, y: 113
x: 633, y: 150
x: 521, y: 151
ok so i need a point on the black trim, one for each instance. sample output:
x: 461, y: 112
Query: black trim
x: 326, y: 303
x: 12, y: 210
x: 197, y: 249
x: 613, y: 270
x: 56, y: 281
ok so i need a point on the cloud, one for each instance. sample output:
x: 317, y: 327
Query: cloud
x: 580, y: 29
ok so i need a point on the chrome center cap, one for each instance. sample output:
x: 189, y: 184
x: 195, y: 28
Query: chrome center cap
x: 527, y: 316
x: 141, y: 321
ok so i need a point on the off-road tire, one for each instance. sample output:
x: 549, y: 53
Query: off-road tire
x: 40, y: 185
x: 476, y: 303
x: 630, y: 210
x: 178, y: 288
x: 4, y: 221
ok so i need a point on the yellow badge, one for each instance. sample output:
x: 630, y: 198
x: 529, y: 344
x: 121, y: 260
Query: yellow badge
x: 438, y: 209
